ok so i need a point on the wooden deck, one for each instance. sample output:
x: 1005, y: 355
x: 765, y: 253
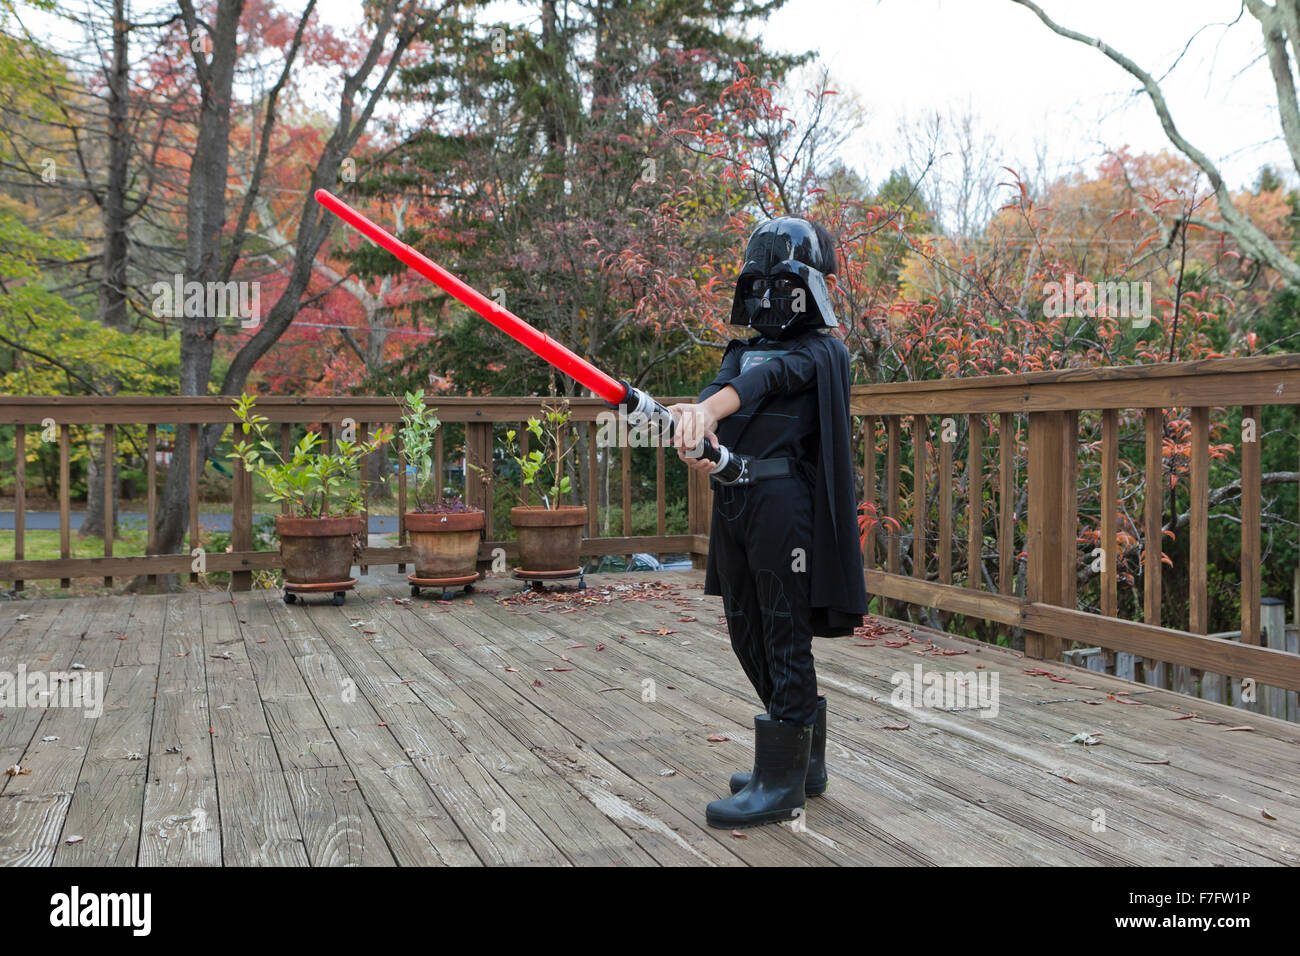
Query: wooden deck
x: 240, y: 731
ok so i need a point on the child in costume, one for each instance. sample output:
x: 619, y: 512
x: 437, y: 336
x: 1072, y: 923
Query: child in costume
x: 784, y: 551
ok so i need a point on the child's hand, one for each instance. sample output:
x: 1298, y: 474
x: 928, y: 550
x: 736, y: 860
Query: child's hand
x: 700, y: 463
x: 694, y: 424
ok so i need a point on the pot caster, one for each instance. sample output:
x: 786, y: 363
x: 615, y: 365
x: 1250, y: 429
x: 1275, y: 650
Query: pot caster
x: 446, y: 595
x: 340, y: 597
x: 415, y: 590
x: 469, y: 589
x: 290, y: 597
x: 582, y: 584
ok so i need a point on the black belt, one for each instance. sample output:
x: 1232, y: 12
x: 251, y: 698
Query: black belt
x: 760, y: 469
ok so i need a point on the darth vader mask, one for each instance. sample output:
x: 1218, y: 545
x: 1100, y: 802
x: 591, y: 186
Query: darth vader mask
x: 774, y: 306
x: 781, y: 291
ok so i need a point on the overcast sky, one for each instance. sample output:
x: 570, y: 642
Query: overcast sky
x: 1027, y: 86
x: 904, y: 57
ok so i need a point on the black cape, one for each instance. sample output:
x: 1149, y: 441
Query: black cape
x: 839, y: 593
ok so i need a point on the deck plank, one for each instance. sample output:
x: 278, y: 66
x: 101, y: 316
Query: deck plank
x: 500, y: 831
x: 180, y: 825
x: 478, y: 698
x: 108, y: 799
x: 915, y: 812
x: 1029, y: 766
x: 415, y: 825
x: 581, y: 830
x: 259, y: 823
x: 481, y: 732
x: 34, y: 806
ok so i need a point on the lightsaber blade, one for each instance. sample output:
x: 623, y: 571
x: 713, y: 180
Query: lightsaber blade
x: 728, y: 469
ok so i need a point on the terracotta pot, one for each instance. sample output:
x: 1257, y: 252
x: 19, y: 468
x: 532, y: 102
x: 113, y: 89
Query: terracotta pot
x: 316, y: 550
x: 445, y: 545
x: 549, y: 538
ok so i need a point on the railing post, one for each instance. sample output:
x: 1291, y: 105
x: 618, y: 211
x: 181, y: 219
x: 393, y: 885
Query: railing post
x: 1050, y: 542
x: 20, y: 494
x: 892, y: 495
x: 65, y: 500
x: 699, y: 510
x: 241, y: 523
x: 195, y: 465
x: 478, y: 448
x: 110, y: 485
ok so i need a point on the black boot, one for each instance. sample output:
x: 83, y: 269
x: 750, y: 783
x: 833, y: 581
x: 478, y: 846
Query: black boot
x: 775, y: 790
x: 816, y: 782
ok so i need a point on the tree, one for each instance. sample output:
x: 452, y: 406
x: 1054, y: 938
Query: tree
x: 212, y: 255
x: 1280, y: 27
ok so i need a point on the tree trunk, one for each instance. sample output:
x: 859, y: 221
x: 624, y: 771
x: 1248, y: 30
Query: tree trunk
x: 206, y: 219
x: 112, y: 283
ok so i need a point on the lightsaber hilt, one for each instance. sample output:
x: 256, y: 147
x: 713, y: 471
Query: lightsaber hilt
x: 729, y: 468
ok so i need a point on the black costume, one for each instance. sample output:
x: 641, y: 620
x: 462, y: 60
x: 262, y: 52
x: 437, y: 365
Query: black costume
x: 784, y: 551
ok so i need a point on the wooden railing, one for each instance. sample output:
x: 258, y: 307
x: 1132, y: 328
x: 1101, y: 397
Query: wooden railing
x: 1033, y: 419
x: 1045, y: 409
x: 56, y: 417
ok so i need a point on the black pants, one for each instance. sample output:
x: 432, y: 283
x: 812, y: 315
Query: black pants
x: 761, y: 535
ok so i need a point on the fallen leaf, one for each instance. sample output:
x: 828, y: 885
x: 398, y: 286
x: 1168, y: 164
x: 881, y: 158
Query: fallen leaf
x: 1227, y: 730
x: 73, y: 839
x: 892, y: 727
x: 716, y: 739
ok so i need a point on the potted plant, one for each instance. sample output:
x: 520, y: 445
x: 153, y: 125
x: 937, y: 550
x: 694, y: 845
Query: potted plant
x: 550, y: 534
x: 321, y: 535
x: 444, y: 531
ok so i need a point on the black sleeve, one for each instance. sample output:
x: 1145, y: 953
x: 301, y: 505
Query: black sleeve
x: 789, y: 373
x: 729, y: 370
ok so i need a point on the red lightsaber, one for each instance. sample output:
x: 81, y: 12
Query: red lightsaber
x: 729, y: 468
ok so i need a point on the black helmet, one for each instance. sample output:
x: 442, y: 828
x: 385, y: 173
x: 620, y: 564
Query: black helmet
x: 782, y: 290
